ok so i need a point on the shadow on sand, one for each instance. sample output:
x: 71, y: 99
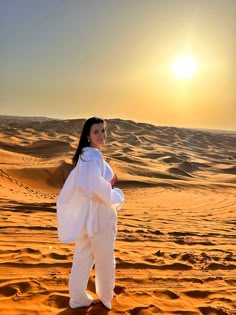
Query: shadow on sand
x: 91, y: 310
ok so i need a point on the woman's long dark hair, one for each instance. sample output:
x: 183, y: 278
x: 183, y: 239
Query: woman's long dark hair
x: 83, y: 141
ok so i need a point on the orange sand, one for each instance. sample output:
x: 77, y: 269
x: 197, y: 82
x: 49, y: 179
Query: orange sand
x: 175, y: 248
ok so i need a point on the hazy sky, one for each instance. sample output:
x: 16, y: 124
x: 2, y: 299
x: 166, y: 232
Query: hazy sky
x: 112, y: 58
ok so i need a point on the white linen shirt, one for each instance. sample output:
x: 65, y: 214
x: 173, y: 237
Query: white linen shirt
x: 85, y: 190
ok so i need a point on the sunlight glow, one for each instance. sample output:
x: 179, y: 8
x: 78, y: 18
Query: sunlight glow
x: 184, y: 67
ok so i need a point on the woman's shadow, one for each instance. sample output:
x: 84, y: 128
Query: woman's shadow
x: 96, y: 309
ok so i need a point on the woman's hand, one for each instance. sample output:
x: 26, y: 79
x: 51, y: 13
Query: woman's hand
x: 113, y: 181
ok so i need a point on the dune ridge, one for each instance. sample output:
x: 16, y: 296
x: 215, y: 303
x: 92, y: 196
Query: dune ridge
x: 176, y: 237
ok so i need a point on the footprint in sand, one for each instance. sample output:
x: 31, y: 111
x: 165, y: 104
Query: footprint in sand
x: 7, y: 291
x: 166, y: 294
x: 209, y: 310
x: 57, y: 301
x: 18, y: 290
x: 145, y: 310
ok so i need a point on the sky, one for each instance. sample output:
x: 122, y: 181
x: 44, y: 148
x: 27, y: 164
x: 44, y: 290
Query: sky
x: 113, y: 58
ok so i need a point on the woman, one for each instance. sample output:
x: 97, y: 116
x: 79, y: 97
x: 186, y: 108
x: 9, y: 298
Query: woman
x: 96, y: 225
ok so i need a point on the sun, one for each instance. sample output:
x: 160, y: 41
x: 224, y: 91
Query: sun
x: 184, y: 67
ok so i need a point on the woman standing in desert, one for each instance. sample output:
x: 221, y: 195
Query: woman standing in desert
x: 95, y: 229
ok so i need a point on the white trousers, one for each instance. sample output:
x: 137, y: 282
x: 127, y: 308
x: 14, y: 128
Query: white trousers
x: 98, y: 249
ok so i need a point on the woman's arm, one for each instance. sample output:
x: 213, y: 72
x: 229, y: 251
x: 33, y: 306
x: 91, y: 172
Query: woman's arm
x: 93, y: 183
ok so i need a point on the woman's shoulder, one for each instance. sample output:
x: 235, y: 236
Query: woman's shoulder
x: 90, y: 153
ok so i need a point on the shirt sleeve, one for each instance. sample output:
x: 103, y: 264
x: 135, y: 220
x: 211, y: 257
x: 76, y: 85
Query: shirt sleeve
x: 91, y: 181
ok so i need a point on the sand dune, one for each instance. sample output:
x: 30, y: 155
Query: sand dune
x: 176, y: 242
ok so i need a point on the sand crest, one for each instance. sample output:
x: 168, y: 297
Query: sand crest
x: 176, y: 245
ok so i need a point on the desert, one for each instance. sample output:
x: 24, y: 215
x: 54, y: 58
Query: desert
x: 176, y: 243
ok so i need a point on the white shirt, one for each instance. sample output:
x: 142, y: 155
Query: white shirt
x: 86, y: 188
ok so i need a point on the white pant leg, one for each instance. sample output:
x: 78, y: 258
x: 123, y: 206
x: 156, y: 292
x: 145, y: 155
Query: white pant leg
x: 103, y: 249
x: 82, y: 263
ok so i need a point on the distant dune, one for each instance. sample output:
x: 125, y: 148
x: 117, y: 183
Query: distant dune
x: 176, y: 245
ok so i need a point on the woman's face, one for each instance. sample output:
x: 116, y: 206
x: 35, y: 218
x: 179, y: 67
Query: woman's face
x: 97, y: 135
